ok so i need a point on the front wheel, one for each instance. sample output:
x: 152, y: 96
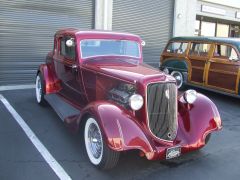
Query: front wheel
x: 179, y: 79
x: 99, y: 154
x: 39, y: 89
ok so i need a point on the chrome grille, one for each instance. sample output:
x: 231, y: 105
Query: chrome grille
x: 162, y: 110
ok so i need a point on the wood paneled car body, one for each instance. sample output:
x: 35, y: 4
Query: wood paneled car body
x: 208, y: 62
x: 98, y: 84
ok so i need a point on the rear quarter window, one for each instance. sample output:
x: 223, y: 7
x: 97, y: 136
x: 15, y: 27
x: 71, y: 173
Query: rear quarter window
x: 177, y: 47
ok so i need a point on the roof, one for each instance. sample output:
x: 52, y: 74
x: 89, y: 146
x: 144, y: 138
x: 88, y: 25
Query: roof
x: 78, y: 32
x: 234, y: 41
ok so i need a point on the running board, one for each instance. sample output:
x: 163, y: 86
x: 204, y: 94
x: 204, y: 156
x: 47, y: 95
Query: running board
x: 62, y: 108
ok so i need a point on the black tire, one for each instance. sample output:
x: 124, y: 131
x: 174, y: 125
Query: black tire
x: 208, y: 137
x: 180, y: 79
x: 108, y: 158
x: 39, y: 83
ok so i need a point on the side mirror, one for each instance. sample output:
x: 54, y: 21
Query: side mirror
x: 70, y: 42
x: 143, y: 43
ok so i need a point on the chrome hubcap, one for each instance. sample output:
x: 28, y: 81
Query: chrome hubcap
x: 95, y: 141
x: 179, y: 79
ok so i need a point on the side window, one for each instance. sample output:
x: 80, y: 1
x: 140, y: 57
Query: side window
x: 199, y: 49
x: 66, y: 51
x: 177, y: 47
x: 225, y: 52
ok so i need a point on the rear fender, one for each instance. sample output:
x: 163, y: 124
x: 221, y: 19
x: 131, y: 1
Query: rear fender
x: 51, y: 82
x: 198, y: 120
x: 121, y: 130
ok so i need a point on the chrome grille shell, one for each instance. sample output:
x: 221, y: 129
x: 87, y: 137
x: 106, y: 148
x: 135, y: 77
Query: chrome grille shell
x: 161, y: 106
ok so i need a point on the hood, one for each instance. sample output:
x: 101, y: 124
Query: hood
x: 126, y: 68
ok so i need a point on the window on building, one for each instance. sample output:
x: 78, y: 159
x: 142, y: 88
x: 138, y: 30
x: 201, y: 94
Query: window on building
x: 199, y: 49
x: 177, y: 47
x: 197, y: 28
x: 66, y: 51
x: 225, y: 52
x: 208, y: 29
x: 234, y: 31
x: 222, y: 30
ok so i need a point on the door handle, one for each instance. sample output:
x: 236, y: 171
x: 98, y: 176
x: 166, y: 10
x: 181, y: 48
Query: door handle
x: 74, y: 66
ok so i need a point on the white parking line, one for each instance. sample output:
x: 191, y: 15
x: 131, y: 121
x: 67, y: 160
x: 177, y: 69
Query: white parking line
x: 56, y: 167
x: 16, y: 87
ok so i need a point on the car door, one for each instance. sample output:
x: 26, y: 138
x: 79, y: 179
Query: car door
x: 68, y: 71
x: 223, y: 70
x: 199, y: 53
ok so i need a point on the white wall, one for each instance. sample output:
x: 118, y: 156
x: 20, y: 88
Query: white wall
x: 184, y: 17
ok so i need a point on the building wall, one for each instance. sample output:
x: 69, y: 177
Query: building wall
x: 184, y: 17
x: 27, y: 29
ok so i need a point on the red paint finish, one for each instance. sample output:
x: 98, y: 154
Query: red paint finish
x: 123, y: 129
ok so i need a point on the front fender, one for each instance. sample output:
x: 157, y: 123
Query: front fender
x: 121, y: 130
x: 51, y: 82
x: 198, y: 120
x: 175, y: 64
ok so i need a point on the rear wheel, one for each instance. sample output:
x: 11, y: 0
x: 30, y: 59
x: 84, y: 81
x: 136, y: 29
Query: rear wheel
x: 179, y: 79
x: 39, y: 86
x: 99, y: 154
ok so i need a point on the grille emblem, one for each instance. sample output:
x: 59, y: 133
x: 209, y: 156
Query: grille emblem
x: 169, y: 135
x: 167, y: 93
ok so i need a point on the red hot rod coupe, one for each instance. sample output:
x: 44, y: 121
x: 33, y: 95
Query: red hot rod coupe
x: 97, y: 83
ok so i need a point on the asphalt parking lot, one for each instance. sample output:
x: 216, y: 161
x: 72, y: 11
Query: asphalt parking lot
x: 19, y: 159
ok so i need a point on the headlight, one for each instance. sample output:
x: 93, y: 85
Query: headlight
x: 190, y: 96
x: 136, y: 102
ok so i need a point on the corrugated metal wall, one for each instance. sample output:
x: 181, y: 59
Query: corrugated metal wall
x: 27, y: 29
x: 152, y: 20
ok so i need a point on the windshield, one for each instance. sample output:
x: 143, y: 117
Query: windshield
x: 105, y: 47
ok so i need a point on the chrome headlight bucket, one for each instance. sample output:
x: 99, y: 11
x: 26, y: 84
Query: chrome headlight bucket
x: 136, y: 102
x: 190, y: 96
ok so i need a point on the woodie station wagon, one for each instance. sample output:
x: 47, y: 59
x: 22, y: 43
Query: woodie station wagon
x: 97, y: 83
x: 209, y: 62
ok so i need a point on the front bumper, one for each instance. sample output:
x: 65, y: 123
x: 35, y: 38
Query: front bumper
x: 160, y: 151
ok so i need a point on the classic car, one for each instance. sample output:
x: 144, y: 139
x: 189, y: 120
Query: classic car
x: 97, y: 83
x: 208, y: 62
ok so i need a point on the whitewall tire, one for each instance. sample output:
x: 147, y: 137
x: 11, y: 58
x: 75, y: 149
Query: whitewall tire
x: 39, y: 89
x: 179, y: 79
x: 99, y: 154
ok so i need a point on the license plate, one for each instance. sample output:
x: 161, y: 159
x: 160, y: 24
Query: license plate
x: 173, y: 152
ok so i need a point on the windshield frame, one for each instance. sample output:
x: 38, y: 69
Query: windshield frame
x: 116, y: 55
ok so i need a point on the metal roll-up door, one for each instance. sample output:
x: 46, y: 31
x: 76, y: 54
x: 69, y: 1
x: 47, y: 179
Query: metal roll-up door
x: 152, y: 20
x: 26, y: 33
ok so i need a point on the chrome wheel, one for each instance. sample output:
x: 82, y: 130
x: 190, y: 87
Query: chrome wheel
x: 93, y: 141
x: 38, y: 89
x: 179, y: 78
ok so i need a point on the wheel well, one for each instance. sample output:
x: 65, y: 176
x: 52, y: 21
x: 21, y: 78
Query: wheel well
x: 83, y: 121
x: 38, y: 71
